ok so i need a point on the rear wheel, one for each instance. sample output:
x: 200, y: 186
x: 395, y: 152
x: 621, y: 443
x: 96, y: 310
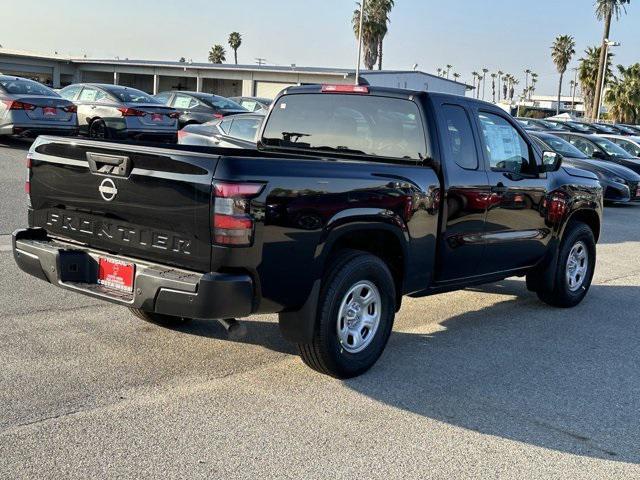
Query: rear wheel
x: 98, y: 130
x: 355, y: 315
x: 159, y: 319
x: 575, y: 268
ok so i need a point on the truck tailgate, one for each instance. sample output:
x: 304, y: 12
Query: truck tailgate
x: 139, y: 201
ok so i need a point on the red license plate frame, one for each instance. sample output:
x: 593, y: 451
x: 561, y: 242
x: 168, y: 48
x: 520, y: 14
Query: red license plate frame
x: 156, y: 117
x: 50, y: 111
x: 116, y: 274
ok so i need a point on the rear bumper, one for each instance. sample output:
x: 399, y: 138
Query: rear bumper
x: 157, y: 288
x: 32, y: 131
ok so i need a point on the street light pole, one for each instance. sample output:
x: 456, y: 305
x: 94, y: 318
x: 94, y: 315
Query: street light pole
x: 608, y: 43
x: 575, y: 87
x: 362, y: 7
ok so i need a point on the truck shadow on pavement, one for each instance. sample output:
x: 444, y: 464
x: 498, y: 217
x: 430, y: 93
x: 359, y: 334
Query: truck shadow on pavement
x: 16, y: 144
x: 565, y: 380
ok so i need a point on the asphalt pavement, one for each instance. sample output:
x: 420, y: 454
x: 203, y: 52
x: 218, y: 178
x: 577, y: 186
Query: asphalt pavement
x: 483, y: 383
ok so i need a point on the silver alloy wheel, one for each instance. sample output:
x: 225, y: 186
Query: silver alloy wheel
x: 577, y: 266
x: 359, y: 316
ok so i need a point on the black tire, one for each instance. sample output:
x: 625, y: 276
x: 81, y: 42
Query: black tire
x: 98, y: 129
x: 159, y: 319
x: 561, y: 294
x: 325, y: 353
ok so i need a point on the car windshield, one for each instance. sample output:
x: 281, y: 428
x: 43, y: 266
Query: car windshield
x: 549, y: 125
x: 221, y: 103
x: 131, y: 95
x: 350, y: 124
x: 19, y: 86
x: 562, y: 147
x: 580, y: 126
x: 611, y: 148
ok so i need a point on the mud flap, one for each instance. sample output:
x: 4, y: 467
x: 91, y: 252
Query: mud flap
x: 298, y: 326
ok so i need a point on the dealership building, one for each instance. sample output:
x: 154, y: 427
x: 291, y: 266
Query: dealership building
x: 223, y: 79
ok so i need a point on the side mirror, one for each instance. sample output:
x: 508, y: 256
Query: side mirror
x: 598, y: 154
x: 551, y: 162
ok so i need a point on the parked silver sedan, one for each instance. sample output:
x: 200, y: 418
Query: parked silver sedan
x: 235, y: 131
x: 117, y: 112
x: 628, y: 143
x: 28, y: 109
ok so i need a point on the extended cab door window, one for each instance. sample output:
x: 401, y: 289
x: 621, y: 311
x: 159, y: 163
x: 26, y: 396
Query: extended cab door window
x: 348, y: 124
x: 459, y: 137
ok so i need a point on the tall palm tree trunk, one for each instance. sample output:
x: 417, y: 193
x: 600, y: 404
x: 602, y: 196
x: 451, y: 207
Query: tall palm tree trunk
x: 559, y: 94
x: 380, y: 55
x: 601, y: 67
x: 235, y: 55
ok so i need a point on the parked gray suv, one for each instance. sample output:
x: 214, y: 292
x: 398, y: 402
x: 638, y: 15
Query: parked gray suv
x: 28, y: 109
x: 113, y: 111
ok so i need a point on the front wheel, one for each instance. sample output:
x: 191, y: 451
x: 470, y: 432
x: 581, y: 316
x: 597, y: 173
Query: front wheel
x: 355, y: 315
x: 575, y: 268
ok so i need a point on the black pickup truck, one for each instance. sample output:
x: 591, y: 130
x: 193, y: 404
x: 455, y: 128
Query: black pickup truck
x: 355, y: 197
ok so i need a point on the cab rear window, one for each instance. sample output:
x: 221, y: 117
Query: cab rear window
x: 349, y: 124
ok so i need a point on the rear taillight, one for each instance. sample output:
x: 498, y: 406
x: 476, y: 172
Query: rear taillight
x: 181, y: 134
x: 131, y: 112
x: 218, y: 116
x: 232, y: 221
x: 27, y: 184
x: 16, y: 105
x: 70, y: 109
x: 173, y: 115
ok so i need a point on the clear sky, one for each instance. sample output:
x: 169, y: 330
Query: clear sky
x: 510, y: 35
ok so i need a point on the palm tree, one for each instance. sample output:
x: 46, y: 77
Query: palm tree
x: 526, y: 78
x: 375, y: 25
x: 500, y: 73
x: 505, y: 85
x: 449, y: 67
x: 456, y: 76
x: 512, y: 89
x: 623, y: 95
x: 493, y: 86
x: 217, y: 54
x: 606, y: 10
x: 235, y: 40
x: 484, y: 80
x: 562, y: 51
x: 587, y: 76
x: 439, y: 72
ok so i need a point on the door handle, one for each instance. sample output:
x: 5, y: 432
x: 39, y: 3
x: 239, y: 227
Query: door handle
x: 499, y: 188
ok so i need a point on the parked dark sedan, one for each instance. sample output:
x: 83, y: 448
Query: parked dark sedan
x: 600, y: 148
x: 539, y: 124
x: 113, y: 111
x: 254, y: 104
x: 619, y: 183
x: 237, y: 131
x: 28, y: 109
x: 197, y: 107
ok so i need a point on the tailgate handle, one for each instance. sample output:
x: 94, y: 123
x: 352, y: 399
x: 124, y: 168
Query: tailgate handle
x: 109, y: 164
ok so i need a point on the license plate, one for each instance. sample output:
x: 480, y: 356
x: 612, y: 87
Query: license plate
x: 156, y: 117
x: 50, y: 111
x: 116, y: 274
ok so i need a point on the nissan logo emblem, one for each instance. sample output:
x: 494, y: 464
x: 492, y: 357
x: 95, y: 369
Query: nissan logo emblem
x: 108, y: 190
